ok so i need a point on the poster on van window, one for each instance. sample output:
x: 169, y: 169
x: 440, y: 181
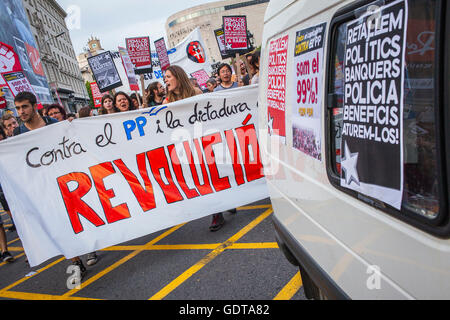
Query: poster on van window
x: 308, y: 91
x: 372, y: 133
x: 276, y: 89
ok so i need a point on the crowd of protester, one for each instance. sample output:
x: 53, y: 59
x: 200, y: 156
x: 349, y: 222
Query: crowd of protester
x: 178, y: 86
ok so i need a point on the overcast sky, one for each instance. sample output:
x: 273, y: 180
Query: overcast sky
x: 112, y: 21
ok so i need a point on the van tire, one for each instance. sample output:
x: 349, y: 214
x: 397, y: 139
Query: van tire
x: 312, y: 291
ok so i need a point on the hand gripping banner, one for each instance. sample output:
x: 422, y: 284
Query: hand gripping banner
x: 104, y: 180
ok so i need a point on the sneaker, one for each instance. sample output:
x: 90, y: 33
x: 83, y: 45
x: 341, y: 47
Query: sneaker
x: 91, y: 259
x: 217, y: 222
x: 82, y: 271
x: 7, y: 257
x: 232, y: 211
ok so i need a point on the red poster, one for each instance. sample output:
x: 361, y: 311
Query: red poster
x: 140, y: 54
x: 2, y: 102
x: 276, y: 90
x: 9, y: 61
x: 96, y: 95
x: 235, y: 32
x: 35, y: 60
x: 161, y: 50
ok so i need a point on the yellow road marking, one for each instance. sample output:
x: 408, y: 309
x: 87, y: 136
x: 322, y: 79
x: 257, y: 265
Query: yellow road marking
x: 290, y: 289
x: 121, y: 261
x: 208, y: 246
x: 15, y: 248
x: 37, y: 296
x: 12, y: 241
x: 262, y: 245
x: 261, y: 206
x: 26, y: 278
x: 208, y: 258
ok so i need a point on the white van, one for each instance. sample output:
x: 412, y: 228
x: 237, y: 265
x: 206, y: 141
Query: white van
x: 354, y: 116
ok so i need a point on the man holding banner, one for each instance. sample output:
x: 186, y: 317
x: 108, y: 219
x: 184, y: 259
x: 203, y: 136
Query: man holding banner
x: 26, y: 106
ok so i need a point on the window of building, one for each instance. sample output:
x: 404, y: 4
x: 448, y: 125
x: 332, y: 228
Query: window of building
x: 425, y: 195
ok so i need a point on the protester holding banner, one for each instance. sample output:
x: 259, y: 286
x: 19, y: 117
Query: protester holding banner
x: 155, y: 94
x: 178, y: 85
x: 107, y: 105
x: 5, y: 255
x: 57, y: 112
x: 26, y: 106
x: 225, y: 73
x: 123, y: 103
x: 9, y: 123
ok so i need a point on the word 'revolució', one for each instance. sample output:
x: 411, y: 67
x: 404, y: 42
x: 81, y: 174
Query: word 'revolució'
x: 162, y: 161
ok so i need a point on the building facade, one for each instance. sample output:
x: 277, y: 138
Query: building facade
x: 93, y: 48
x: 209, y: 18
x: 47, y: 21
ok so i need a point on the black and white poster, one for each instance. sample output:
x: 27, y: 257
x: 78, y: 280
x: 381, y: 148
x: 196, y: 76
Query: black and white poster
x: 105, y: 72
x: 372, y: 135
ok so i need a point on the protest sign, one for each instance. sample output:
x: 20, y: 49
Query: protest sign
x: 17, y: 82
x: 16, y: 34
x: 372, y: 131
x: 202, y: 77
x: 96, y: 95
x: 190, y: 54
x: 140, y: 54
x: 235, y: 34
x: 220, y: 38
x: 161, y: 51
x: 113, y: 178
x: 105, y: 72
x: 308, y: 90
x: 276, y: 89
x: 129, y: 69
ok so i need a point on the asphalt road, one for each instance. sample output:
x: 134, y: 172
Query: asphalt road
x: 241, y: 261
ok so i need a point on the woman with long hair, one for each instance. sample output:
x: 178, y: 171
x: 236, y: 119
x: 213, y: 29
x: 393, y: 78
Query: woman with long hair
x: 122, y: 102
x: 107, y: 105
x: 178, y: 85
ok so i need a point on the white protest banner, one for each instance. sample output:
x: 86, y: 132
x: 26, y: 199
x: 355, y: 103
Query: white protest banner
x: 190, y: 53
x: 308, y: 91
x: 129, y: 69
x: 100, y: 181
x: 372, y: 129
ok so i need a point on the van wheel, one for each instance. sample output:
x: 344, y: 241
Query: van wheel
x: 312, y: 291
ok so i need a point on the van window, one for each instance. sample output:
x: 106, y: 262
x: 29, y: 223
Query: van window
x: 421, y: 108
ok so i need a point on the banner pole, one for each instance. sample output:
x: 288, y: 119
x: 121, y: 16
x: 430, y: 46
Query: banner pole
x: 138, y: 99
x: 238, y: 67
x: 143, y: 85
